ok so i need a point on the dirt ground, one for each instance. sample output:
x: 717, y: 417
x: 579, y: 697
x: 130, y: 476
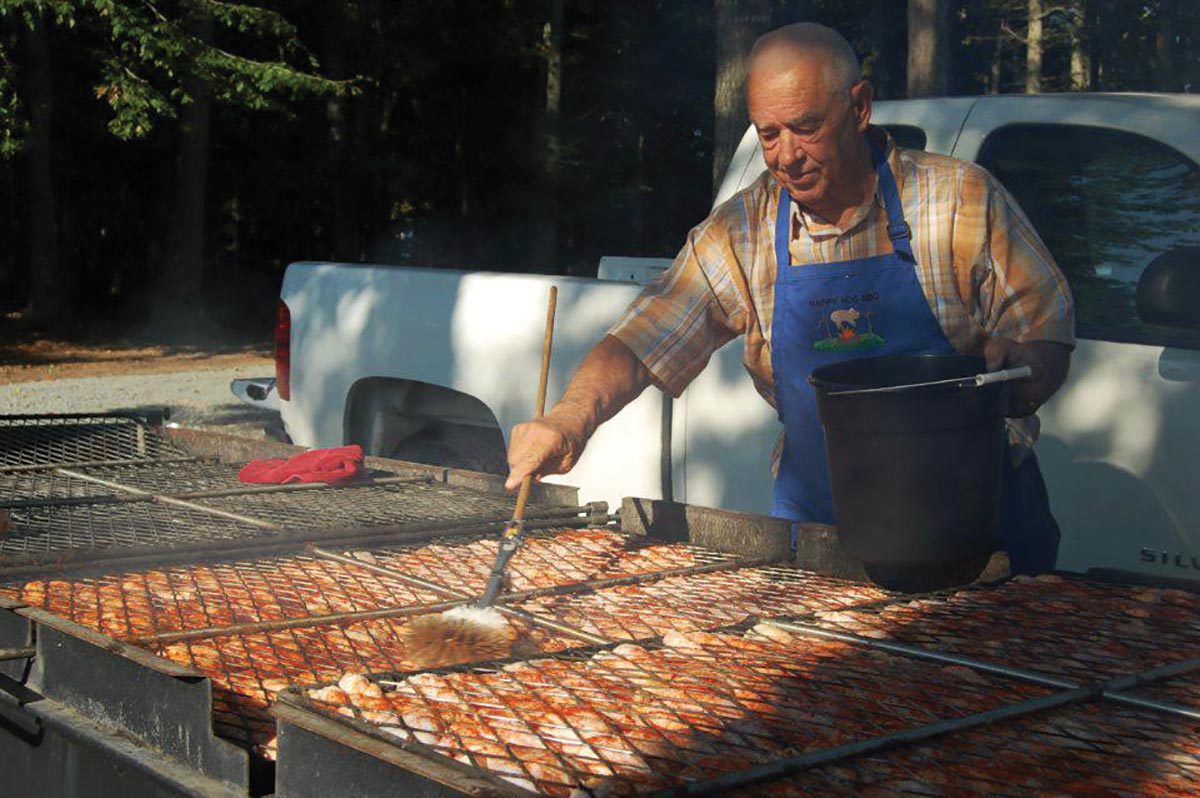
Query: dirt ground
x: 52, y: 358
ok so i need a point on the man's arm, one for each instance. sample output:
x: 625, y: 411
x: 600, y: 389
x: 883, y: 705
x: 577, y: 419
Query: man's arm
x: 609, y: 378
x: 1049, y: 361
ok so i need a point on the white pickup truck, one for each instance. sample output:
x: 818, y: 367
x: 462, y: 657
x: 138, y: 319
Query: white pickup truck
x: 437, y: 366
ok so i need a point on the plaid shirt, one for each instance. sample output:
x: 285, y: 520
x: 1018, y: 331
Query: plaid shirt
x: 983, y: 269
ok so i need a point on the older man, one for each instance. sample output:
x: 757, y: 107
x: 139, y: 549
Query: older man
x: 937, y: 253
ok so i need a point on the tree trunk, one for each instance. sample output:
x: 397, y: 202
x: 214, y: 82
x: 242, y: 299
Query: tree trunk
x: 883, y: 28
x: 929, y: 47
x: 343, y: 191
x: 183, y: 276
x: 1100, y: 40
x: 1081, y: 70
x: 738, y: 23
x: 546, y: 237
x: 1164, y: 46
x: 1033, y: 49
x: 996, y: 67
x: 49, y: 298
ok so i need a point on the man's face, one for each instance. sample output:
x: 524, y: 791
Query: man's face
x: 808, y: 132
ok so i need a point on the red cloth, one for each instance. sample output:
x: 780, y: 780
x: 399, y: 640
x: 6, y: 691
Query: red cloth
x: 318, y: 465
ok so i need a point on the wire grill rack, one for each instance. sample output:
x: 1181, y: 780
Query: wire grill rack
x: 171, y: 599
x: 39, y: 440
x: 1085, y: 750
x: 701, y: 601
x: 1072, y: 628
x: 247, y: 670
x: 102, y: 526
x: 634, y: 718
x: 544, y: 560
x: 831, y: 703
x: 78, y: 484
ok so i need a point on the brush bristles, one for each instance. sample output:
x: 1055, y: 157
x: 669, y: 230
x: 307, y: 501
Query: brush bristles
x: 456, y: 637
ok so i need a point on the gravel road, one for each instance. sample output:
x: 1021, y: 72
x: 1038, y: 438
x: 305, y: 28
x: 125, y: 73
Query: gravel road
x: 197, y: 398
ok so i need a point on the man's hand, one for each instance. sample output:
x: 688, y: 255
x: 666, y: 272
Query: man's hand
x: 1049, y: 361
x: 545, y: 446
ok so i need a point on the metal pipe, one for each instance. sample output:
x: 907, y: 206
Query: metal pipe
x: 466, y: 598
x: 555, y: 626
x: 915, y: 652
x: 417, y: 581
x: 1168, y: 707
x: 1114, y: 690
x: 813, y: 759
x: 103, y: 560
x: 1155, y: 674
x: 590, y: 586
x: 8, y: 654
x: 574, y: 588
x: 71, y: 501
x: 256, y: 627
x: 160, y: 499
x: 19, y: 469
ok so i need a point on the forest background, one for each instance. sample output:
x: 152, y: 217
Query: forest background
x: 162, y: 161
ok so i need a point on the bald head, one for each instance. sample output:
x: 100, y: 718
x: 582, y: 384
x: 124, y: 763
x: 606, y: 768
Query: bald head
x: 815, y: 45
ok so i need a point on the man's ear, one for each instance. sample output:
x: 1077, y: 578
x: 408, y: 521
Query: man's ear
x: 861, y: 96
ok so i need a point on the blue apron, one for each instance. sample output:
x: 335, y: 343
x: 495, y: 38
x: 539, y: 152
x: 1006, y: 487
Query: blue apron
x: 828, y: 312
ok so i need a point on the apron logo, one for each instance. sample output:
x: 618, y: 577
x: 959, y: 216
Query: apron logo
x: 842, y: 332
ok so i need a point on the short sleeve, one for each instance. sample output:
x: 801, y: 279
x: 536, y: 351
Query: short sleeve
x: 692, y: 309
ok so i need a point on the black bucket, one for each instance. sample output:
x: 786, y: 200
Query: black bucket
x: 915, y: 473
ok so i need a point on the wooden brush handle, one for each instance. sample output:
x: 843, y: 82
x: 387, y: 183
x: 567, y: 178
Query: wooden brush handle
x: 547, y: 340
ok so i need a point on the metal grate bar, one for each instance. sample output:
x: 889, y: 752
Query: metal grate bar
x: 920, y: 653
x: 466, y: 598
x: 781, y: 768
x: 1059, y: 626
x: 17, y: 469
x: 1137, y: 702
x: 161, y: 499
x: 196, y: 494
x: 583, y: 586
x: 293, y: 623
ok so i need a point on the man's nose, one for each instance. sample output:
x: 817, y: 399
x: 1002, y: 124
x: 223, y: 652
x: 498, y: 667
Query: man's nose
x: 790, y: 151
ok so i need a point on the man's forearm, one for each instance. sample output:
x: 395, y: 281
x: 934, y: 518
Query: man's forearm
x: 610, y: 377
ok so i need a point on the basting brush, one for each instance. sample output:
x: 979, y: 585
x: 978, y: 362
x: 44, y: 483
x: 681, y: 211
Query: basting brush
x: 479, y: 631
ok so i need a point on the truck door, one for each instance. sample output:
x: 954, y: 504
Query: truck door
x: 1112, y: 186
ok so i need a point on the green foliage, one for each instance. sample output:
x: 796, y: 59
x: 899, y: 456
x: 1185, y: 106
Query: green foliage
x: 150, y: 57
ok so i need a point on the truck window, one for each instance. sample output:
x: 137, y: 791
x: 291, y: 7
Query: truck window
x: 1106, y: 202
x: 909, y: 137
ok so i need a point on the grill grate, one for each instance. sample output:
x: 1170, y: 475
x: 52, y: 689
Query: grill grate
x: 248, y: 670
x: 365, y: 505
x: 43, y: 530
x: 636, y: 718
x: 543, y: 561
x: 109, y: 482
x: 27, y: 441
x: 177, y: 598
x: 701, y: 601
x: 1085, y: 631
x: 1083, y: 750
x: 164, y: 477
